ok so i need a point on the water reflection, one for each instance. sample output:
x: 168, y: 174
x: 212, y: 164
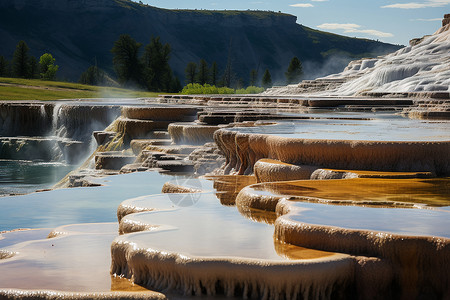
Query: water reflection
x: 367, y: 191
x: 22, y: 177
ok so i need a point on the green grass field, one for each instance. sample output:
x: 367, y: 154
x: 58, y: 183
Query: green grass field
x: 34, y: 89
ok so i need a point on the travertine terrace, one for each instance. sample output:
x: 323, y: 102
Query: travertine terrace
x: 253, y: 196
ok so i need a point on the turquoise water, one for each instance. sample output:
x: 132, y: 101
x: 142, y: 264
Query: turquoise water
x: 77, y: 205
x: 22, y: 177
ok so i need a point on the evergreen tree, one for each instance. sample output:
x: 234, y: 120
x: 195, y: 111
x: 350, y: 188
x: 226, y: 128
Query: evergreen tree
x: 294, y: 72
x: 4, y: 68
x: 190, y: 72
x: 126, y: 60
x: 253, y: 77
x: 227, y: 75
x: 47, y: 66
x: 203, y: 72
x: 267, y: 80
x: 93, y: 76
x: 214, y: 73
x: 20, y: 61
x: 34, y: 67
x: 157, y: 71
x: 175, y: 86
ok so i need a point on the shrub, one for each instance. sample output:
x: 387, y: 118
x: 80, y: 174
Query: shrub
x: 196, y: 88
x: 250, y: 90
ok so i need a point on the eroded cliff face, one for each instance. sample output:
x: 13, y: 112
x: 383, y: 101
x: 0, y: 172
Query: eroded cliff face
x: 251, y: 37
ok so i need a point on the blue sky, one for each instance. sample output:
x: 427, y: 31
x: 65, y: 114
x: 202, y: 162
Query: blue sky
x: 395, y: 21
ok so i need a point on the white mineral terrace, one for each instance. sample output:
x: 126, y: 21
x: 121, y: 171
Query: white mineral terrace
x: 421, y: 67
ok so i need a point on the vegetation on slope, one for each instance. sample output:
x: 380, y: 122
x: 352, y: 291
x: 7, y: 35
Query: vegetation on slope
x: 237, y: 40
x: 35, y: 89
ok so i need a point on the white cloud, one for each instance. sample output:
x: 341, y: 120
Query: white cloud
x: 354, y: 28
x: 427, y: 20
x: 334, y: 26
x: 415, y: 5
x: 302, y: 5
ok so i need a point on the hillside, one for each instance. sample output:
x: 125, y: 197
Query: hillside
x: 80, y: 32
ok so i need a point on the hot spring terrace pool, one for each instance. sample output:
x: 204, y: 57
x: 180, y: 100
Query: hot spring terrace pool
x: 359, y: 127
x: 202, y: 244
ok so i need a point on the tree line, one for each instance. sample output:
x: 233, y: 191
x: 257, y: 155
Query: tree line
x: 202, y: 74
x: 149, y: 70
x: 24, y: 65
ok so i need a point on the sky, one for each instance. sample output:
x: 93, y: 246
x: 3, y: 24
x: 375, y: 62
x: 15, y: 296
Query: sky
x: 394, y: 22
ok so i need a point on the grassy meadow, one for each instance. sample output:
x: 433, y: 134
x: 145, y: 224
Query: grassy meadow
x: 35, y: 89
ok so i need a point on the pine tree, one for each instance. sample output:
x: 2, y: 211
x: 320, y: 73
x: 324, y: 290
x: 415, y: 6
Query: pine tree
x: 4, y: 68
x: 227, y: 75
x: 175, y: 85
x: 267, y: 80
x: 294, y: 72
x: 126, y: 60
x: 214, y: 73
x: 157, y: 71
x: 253, y: 77
x: 190, y: 72
x: 93, y: 76
x: 203, y: 72
x: 20, y: 61
x: 34, y: 67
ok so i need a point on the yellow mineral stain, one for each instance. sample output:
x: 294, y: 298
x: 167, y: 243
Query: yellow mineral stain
x: 296, y: 252
x: 375, y: 191
x: 228, y: 186
x: 121, y: 284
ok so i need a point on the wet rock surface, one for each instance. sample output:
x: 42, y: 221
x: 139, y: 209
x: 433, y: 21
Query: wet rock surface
x: 216, y: 237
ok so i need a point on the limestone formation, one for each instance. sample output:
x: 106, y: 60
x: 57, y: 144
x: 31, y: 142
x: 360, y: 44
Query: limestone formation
x: 243, y: 150
x: 420, y: 70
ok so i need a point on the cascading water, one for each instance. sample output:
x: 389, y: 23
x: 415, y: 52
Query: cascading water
x: 50, y: 137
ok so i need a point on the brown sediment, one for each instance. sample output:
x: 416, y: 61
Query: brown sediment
x: 134, y: 128
x: 6, y: 254
x: 322, y: 173
x: 121, y: 284
x: 228, y: 186
x: 242, y: 150
x: 17, y: 294
x: 162, y: 113
x: 309, y: 274
x: 249, y: 197
x: 172, y: 149
x: 126, y: 209
x: 191, y: 133
x: 269, y: 170
x: 403, y: 193
x: 420, y: 264
x: 129, y: 226
x: 173, y: 188
x: 295, y: 252
x: 257, y: 215
x: 310, y: 278
x: 113, y: 160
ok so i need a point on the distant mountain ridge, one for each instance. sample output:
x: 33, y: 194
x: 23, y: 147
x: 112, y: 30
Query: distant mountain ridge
x: 80, y: 33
